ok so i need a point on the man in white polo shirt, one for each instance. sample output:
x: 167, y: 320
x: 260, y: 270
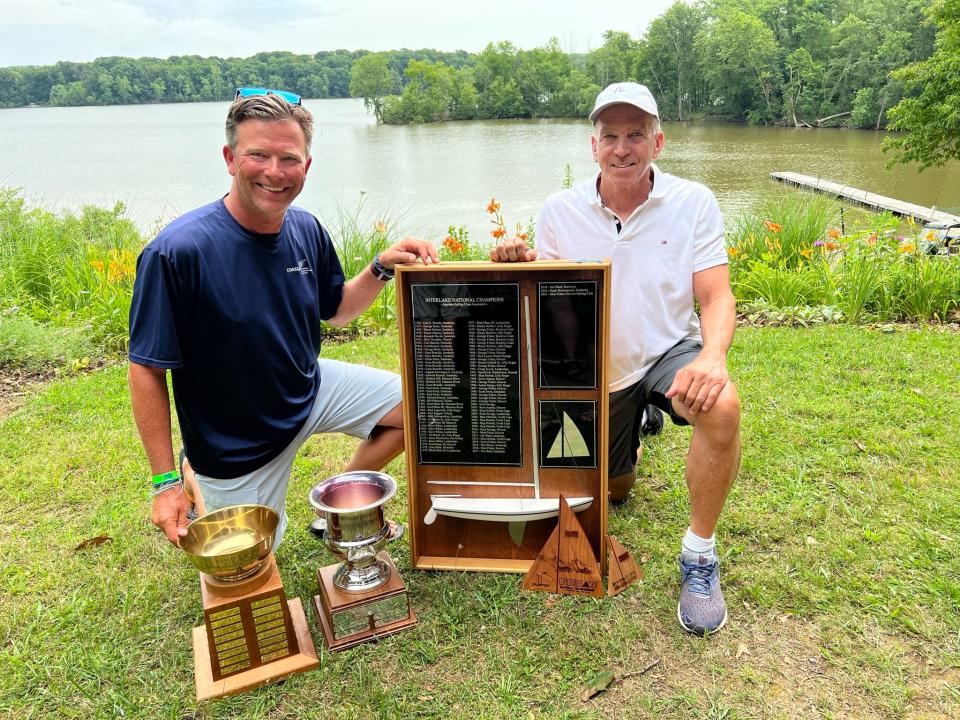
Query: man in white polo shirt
x: 664, y: 236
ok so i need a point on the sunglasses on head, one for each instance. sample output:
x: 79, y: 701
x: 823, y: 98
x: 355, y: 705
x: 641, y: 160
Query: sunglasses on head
x: 290, y: 97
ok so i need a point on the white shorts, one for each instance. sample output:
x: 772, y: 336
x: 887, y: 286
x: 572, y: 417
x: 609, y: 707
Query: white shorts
x: 352, y: 399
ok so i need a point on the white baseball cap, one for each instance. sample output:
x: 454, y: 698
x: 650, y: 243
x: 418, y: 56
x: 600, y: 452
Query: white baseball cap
x: 629, y: 93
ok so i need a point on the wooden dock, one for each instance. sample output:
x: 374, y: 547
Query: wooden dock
x: 862, y: 197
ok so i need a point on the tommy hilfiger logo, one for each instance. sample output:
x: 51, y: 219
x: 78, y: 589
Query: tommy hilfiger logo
x: 301, y: 267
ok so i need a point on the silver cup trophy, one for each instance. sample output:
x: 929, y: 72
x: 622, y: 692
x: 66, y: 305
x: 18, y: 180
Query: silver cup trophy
x: 363, y: 598
x: 352, y: 504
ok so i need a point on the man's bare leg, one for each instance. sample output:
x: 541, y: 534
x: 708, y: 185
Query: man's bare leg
x: 383, y: 445
x: 713, y: 459
x: 712, y: 464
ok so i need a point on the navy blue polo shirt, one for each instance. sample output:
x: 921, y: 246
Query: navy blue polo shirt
x: 235, y: 316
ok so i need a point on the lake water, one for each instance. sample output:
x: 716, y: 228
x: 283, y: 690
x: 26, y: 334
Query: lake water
x: 162, y: 160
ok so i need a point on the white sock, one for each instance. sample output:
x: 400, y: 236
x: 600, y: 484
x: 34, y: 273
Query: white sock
x: 693, y: 543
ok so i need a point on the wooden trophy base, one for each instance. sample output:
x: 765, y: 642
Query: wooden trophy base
x: 349, y: 619
x: 252, y: 619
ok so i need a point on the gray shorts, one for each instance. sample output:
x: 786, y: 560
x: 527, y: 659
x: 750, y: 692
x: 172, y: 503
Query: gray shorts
x: 352, y: 399
x: 626, y: 406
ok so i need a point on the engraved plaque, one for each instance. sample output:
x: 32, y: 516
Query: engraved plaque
x: 567, y: 334
x: 370, y: 616
x: 466, y: 339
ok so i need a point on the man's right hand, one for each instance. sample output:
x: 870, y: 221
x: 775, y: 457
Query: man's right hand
x: 515, y: 250
x: 169, y: 513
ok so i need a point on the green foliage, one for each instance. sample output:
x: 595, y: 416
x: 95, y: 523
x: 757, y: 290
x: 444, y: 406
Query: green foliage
x: 787, y: 258
x: 372, y: 78
x: 930, y: 114
x: 740, y: 64
x: 69, y: 270
x: 777, y: 230
x: 799, y: 64
x: 357, y: 242
x: 26, y: 343
x: 457, y: 246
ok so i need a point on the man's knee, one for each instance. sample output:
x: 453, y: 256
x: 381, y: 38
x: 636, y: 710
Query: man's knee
x: 619, y: 486
x: 722, y: 420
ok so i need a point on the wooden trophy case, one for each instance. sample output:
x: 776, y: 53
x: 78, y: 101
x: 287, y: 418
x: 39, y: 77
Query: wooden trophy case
x: 505, y: 405
x: 252, y: 635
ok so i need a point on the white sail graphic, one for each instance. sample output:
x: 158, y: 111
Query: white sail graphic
x: 569, y: 442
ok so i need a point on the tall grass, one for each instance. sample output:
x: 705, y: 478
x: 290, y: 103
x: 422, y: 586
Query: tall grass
x: 789, y: 255
x: 69, y: 269
x: 780, y: 230
x: 76, y: 270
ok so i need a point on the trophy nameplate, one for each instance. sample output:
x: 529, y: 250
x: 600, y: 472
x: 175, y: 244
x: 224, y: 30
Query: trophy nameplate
x: 348, y: 619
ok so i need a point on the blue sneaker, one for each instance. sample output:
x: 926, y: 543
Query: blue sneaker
x: 702, y: 609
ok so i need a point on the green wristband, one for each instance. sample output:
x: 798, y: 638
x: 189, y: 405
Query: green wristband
x: 164, y: 477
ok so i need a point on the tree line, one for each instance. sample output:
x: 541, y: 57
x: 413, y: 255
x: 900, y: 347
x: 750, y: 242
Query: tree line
x: 787, y: 62
x: 191, y: 78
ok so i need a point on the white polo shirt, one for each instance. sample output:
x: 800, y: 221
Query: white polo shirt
x: 677, y: 232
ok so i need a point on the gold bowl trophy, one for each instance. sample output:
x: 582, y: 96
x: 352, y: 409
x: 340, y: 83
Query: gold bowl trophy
x: 252, y: 634
x: 363, y: 598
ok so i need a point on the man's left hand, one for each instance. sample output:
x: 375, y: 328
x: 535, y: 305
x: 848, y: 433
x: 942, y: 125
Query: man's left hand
x: 408, y: 250
x: 698, y: 385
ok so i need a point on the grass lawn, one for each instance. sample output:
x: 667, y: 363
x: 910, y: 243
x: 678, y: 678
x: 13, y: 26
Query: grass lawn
x: 840, y: 546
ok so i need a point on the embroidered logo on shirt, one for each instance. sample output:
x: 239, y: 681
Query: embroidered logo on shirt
x: 301, y: 267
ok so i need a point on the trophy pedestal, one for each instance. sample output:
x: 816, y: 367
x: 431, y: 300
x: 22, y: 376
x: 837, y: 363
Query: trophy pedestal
x: 348, y: 619
x: 252, y: 635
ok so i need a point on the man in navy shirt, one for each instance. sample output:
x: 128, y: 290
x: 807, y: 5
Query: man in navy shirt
x: 229, y: 299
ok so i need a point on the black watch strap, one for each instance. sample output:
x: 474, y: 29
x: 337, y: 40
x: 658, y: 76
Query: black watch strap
x: 379, y: 271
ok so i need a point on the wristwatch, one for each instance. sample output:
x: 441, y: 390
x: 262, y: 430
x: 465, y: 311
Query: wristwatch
x: 379, y: 271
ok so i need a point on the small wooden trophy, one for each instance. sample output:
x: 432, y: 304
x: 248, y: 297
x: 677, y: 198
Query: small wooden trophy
x: 363, y: 598
x: 566, y: 564
x: 622, y: 569
x: 251, y: 635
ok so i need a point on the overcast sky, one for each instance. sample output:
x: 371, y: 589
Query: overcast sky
x: 40, y: 32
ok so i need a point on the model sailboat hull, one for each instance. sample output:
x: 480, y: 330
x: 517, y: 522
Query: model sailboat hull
x: 500, y: 509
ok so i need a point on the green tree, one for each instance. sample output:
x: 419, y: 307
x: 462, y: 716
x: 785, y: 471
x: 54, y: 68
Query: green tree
x: 427, y: 96
x: 372, y: 78
x: 740, y: 61
x: 803, y: 74
x: 615, y: 60
x: 930, y: 114
x: 668, y: 58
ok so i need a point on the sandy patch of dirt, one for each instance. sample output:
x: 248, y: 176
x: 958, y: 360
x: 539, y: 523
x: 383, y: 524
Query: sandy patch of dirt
x: 16, y: 385
x: 773, y: 667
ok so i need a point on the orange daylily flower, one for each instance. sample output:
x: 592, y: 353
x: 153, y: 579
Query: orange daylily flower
x: 872, y: 240
x: 772, y: 226
x: 453, y: 245
x: 498, y: 232
x: 833, y: 233
x: 906, y: 248
x: 807, y: 252
x: 832, y: 246
x: 493, y: 206
x: 380, y: 226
